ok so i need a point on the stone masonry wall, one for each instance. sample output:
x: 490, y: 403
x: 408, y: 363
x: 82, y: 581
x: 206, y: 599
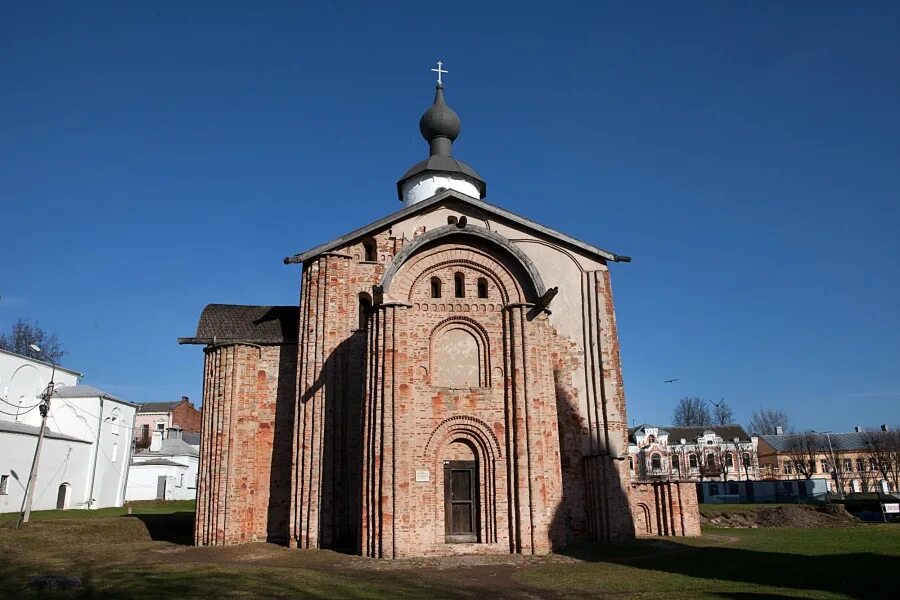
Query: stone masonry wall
x: 665, y: 508
x: 239, y: 498
x: 186, y: 416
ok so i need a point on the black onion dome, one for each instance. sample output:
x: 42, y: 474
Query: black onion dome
x: 439, y: 120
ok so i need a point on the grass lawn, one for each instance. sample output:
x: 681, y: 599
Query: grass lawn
x: 148, y: 507
x: 148, y: 553
x: 833, y: 562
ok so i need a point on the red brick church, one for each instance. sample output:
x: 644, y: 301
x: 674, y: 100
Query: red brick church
x: 450, y: 383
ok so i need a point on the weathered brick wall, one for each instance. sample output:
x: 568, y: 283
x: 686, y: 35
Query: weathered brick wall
x: 246, y: 417
x: 373, y: 423
x: 508, y: 418
x: 186, y: 416
x: 665, y: 508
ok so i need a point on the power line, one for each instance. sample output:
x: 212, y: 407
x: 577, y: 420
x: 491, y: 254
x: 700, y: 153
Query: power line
x: 18, y: 406
x: 19, y: 414
x: 78, y: 408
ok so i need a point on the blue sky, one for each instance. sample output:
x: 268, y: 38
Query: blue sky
x: 158, y: 156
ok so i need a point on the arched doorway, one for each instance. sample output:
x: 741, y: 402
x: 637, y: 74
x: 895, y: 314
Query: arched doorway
x: 461, y: 494
x: 62, y: 497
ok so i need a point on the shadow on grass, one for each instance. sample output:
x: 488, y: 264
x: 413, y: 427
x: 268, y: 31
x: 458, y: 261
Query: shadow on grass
x: 209, y: 581
x: 852, y: 574
x: 177, y: 528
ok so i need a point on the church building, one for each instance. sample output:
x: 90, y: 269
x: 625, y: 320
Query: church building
x: 450, y: 383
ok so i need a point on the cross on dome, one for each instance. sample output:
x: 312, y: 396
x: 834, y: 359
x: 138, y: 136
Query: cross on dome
x: 439, y: 71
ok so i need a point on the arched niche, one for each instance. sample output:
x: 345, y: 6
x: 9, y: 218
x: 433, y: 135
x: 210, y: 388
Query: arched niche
x: 459, y: 354
x: 501, y: 252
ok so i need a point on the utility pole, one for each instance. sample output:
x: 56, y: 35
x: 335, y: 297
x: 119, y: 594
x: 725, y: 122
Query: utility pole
x: 32, y: 477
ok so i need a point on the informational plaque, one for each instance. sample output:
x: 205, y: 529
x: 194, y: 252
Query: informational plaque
x: 893, y: 507
x: 423, y: 475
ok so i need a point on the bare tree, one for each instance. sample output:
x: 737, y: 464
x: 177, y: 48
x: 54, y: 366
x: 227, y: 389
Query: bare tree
x: 713, y: 464
x: 766, y: 421
x: 866, y: 471
x: 722, y: 413
x: 883, y: 450
x: 24, y: 333
x: 803, y: 450
x: 691, y: 412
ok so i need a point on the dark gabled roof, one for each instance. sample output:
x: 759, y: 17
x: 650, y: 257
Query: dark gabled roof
x: 846, y: 442
x: 158, y: 407
x: 454, y: 195
x: 224, y: 323
x: 33, y: 430
x: 726, y: 432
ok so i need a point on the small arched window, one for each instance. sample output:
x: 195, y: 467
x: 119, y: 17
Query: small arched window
x: 692, y: 461
x: 114, y: 419
x: 710, y: 461
x: 651, y: 439
x: 746, y: 458
x: 729, y: 460
x: 435, y: 287
x: 656, y: 462
x: 482, y: 287
x: 365, y: 305
x: 459, y: 285
x: 370, y: 250
x: 675, y: 462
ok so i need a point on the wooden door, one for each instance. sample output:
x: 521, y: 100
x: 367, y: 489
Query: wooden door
x: 461, y: 508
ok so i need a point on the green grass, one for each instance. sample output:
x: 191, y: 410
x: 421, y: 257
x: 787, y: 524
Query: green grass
x: 148, y: 507
x: 735, y: 563
x: 128, y: 556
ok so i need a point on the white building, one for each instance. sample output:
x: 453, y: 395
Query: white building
x: 167, y: 470
x: 713, y: 452
x: 87, y: 445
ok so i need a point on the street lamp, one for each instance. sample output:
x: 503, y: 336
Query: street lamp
x: 32, y: 477
x: 834, y: 465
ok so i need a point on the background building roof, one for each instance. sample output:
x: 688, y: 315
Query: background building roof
x: 23, y: 429
x: 172, y: 447
x: 87, y: 391
x: 160, y: 462
x: 726, y: 432
x: 850, y: 441
x: 154, y: 407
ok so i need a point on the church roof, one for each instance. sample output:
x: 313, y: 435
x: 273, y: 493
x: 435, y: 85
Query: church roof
x: 440, y: 126
x: 486, y: 207
x: 222, y: 323
x: 442, y: 164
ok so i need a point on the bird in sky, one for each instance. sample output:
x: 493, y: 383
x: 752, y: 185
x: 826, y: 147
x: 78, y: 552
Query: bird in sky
x: 670, y: 380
